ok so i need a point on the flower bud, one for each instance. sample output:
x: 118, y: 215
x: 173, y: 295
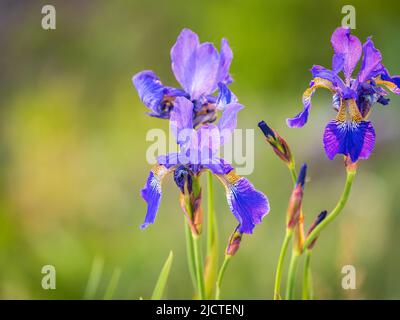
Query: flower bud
x: 234, y: 242
x: 315, y: 223
x: 277, y: 143
x: 294, y: 208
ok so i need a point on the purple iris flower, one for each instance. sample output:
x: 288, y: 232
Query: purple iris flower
x: 199, y: 152
x: 350, y: 134
x: 199, y: 68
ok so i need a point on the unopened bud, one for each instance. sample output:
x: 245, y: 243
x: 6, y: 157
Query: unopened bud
x: 277, y: 143
x: 234, y: 242
x: 296, y: 198
x: 315, y: 223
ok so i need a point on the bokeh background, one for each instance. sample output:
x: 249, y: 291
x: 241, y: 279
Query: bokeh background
x: 72, y: 147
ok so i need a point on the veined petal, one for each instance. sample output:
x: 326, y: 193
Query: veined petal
x: 371, y: 61
x: 181, y: 121
x: 354, y: 139
x: 204, y: 71
x: 301, y: 119
x: 346, y: 47
x: 247, y: 204
x: 151, y: 193
x: 183, y: 57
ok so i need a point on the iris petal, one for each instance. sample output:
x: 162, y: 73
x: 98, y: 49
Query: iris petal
x: 247, y: 204
x: 181, y: 121
x: 199, y: 67
x: 226, y: 56
x: 228, y: 121
x: 354, y: 139
x: 392, y: 83
x: 301, y: 119
x: 150, y: 90
x: 151, y: 193
x: 347, y: 48
x: 219, y: 166
x: 183, y: 57
x: 225, y: 96
x: 371, y: 61
x: 204, y: 71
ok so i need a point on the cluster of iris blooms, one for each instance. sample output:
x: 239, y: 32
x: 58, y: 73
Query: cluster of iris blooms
x: 202, y: 114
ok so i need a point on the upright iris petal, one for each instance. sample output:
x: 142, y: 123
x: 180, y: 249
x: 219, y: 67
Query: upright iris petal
x: 371, y: 61
x: 347, y: 49
x: 199, y: 67
x: 181, y: 121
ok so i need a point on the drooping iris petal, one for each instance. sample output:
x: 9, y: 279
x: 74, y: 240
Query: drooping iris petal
x: 346, y: 47
x: 151, y: 193
x: 371, y: 61
x: 183, y: 57
x: 226, y: 56
x: 181, y: 120
x: 150, y: 90
x: 392, y: 83
x: 301, y: 119
x: 247, y: 204
x: 354, y: 139
x: 225, y: 96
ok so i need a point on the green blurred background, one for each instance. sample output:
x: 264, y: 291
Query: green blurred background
x: 72, y: 146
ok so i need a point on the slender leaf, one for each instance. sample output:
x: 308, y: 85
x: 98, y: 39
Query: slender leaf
x: 162, y: 279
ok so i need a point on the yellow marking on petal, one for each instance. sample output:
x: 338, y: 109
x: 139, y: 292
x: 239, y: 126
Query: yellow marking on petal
x: 232, y: 177
x: 349, y: 111
x: 354, y: 112
x: 160, y: 171
x: 390, y: 85
x: 318, y: 83
x: 341, y: 115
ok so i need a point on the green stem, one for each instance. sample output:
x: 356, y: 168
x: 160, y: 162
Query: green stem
x: 211, y: 225
x: 278, y: 274
x: 212, y: 238
x: 199, y: 266
x: 292, y: 275
x: 307, y: 279
x: 190, y: 254
x: 293, y: 173
x: 332, y: 215
x: 221, y: 275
